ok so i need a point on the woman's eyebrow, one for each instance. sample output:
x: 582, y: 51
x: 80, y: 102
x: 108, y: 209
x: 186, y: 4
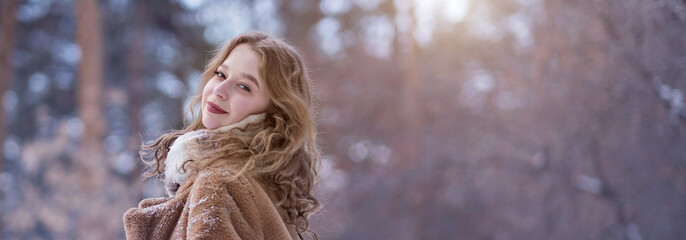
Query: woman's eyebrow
x: 251, y: 78
x: 245, y: 75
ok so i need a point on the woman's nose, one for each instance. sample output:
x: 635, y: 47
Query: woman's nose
x: 222, y: 90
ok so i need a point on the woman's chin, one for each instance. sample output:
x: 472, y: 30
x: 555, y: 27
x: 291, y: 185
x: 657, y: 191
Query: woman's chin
x: 210, y: 124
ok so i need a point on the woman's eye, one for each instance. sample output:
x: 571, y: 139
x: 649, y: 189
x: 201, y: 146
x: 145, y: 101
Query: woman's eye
x: 218, y: 74
x: 244, y: 87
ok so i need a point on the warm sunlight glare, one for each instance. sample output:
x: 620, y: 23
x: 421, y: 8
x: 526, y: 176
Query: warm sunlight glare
x: 452, y: 10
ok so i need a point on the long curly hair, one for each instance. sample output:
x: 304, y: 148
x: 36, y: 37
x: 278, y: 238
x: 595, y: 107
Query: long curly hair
x: 283, y: 151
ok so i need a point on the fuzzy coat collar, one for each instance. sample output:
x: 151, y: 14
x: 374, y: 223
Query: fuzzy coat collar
x: 187, y: 147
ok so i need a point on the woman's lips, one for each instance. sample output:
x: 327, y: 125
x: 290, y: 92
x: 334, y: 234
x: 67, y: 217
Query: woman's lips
x: 213, y: 108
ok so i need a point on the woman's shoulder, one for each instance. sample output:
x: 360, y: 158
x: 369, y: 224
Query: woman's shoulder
x: 244, y: 190
x: 221, y: 189
x: 222, y: 180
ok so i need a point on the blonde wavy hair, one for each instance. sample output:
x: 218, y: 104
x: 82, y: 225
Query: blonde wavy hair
x: 283, y: 151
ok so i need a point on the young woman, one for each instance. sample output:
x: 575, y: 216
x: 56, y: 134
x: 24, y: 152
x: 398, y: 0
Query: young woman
x: 246, y: 166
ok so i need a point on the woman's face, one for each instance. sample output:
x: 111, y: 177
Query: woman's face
x: 235, y: 91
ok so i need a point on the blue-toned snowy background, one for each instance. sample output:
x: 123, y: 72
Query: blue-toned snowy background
x: 438, y: 119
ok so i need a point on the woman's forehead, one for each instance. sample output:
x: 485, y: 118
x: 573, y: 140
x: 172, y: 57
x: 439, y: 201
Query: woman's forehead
x: 243, y: 54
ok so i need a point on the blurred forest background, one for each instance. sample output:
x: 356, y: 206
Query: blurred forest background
x: 439, y: 119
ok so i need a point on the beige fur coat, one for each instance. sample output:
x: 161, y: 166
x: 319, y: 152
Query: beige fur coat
x: 210, y: 204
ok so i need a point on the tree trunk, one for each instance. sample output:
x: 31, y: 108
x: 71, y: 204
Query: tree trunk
x: 90, y: 159
x: 411, y: 92
x: 8, y: 23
